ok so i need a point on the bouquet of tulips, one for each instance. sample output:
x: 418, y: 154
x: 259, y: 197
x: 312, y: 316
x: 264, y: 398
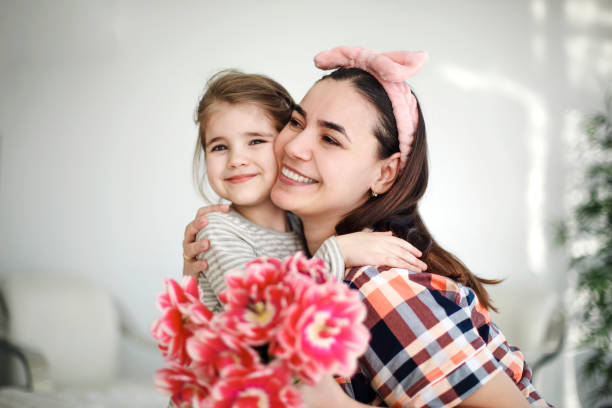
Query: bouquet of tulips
x: 284, y: 322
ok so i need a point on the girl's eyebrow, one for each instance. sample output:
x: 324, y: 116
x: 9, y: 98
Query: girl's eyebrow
x: 247, y: 134
x: 214, y: 140
x: 259, y: 134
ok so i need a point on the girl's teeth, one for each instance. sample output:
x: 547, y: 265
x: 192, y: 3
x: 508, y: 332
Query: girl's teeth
x: 296, y: 177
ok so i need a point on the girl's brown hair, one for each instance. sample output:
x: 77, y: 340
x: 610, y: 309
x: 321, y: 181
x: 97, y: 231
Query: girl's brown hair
x: 397, y: 209
x: 235, y: 87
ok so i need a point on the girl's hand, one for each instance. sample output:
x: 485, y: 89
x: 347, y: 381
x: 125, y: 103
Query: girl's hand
x: 191, y: 247
x: 379, y: 248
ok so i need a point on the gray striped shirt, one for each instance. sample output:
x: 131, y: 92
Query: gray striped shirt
x: 234, y: 241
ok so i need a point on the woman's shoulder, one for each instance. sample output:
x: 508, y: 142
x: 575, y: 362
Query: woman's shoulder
x: 404, y: 284
x: 385, y: 275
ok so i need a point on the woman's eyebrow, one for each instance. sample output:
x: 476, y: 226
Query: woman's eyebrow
x: 324, y: 123
x: 299, y: 110
x: 336, y: 127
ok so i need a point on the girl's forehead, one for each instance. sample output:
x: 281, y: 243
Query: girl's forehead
x: 249, y: 113
x: 245, y: 108
x: 235, y: 120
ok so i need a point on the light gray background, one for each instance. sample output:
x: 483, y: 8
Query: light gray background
x: 97, y: 132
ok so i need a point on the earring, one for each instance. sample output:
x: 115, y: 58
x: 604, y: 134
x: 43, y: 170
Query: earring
x: 374, y: 195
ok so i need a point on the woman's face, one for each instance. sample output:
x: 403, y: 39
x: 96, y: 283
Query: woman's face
x: 327, y: 153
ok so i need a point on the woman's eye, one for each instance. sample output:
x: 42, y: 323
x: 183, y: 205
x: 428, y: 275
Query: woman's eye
x: 218, y: 148
x: 295, y: 123
x: 330, y: 140
x: 257, y: 141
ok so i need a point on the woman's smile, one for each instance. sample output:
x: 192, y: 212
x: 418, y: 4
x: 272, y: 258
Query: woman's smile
x: 291, y: 176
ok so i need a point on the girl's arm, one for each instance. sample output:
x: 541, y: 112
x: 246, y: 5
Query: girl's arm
x: 379, y: 248
x: 230, y: 249
x: 356, y: 249
x: 192, y: 248
x: 368, y: 248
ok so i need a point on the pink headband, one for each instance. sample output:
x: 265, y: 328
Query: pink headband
x: 391, y: 69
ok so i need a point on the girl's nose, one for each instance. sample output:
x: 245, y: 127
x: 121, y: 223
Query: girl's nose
x: 237, y: 159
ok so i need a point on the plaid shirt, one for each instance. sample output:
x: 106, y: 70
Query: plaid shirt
x: 432, y: 344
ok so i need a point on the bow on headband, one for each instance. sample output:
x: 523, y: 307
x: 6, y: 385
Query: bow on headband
x: 391, y: 69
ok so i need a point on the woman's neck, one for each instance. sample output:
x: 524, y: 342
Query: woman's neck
x: 317, y: 230
x: 265, y: 215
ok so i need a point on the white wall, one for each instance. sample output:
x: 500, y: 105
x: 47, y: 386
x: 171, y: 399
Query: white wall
x: 96, y: 130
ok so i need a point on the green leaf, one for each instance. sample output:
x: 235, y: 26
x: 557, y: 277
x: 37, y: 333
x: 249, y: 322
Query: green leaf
x: 592, y: 223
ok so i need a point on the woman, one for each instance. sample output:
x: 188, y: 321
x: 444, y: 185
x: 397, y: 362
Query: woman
x: 357, y: 141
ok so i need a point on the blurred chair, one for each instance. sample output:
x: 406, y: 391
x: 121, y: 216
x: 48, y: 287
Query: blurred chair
x: 61, y: 338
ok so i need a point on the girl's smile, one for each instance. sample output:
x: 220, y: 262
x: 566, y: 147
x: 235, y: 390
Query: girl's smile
x: 240, y: 178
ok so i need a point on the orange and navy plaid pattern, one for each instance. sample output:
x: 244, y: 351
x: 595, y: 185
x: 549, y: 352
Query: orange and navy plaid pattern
x: 432, y: 345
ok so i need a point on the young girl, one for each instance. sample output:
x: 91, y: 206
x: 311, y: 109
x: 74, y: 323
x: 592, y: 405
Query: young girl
x: 239, y: 116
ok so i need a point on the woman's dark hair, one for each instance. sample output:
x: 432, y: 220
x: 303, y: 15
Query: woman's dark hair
x: 397, y: 209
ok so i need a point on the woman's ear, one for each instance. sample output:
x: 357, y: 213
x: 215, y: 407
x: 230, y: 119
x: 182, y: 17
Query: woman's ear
x: 389, y: 169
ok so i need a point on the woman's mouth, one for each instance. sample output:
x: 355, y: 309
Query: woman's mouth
x: 292, y: 177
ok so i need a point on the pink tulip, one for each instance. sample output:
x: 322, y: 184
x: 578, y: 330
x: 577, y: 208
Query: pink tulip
x: 313, y: 268
x: 323, y: 332
x: 256, y: 301
x: 268, y: 387
x: 182, y: 313
x: 281, y: 320
x: 217, y: 351
x: 182, y: 385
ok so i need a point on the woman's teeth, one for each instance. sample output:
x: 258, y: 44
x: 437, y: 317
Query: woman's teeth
x: 296, y: 177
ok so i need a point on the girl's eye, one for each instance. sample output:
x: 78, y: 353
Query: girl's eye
x: 218, y: 148
x: 257, y: 141
x: 330, y: 140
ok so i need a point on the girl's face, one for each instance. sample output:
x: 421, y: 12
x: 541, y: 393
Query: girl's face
x: 327, y: 153
x: 240, y: 162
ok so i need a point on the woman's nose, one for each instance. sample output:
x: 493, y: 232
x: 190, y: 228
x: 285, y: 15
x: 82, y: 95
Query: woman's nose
x: 300, y: 147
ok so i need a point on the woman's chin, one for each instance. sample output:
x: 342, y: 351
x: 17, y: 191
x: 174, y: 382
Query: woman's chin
x: 289, y: 199
x: 281, y: 198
